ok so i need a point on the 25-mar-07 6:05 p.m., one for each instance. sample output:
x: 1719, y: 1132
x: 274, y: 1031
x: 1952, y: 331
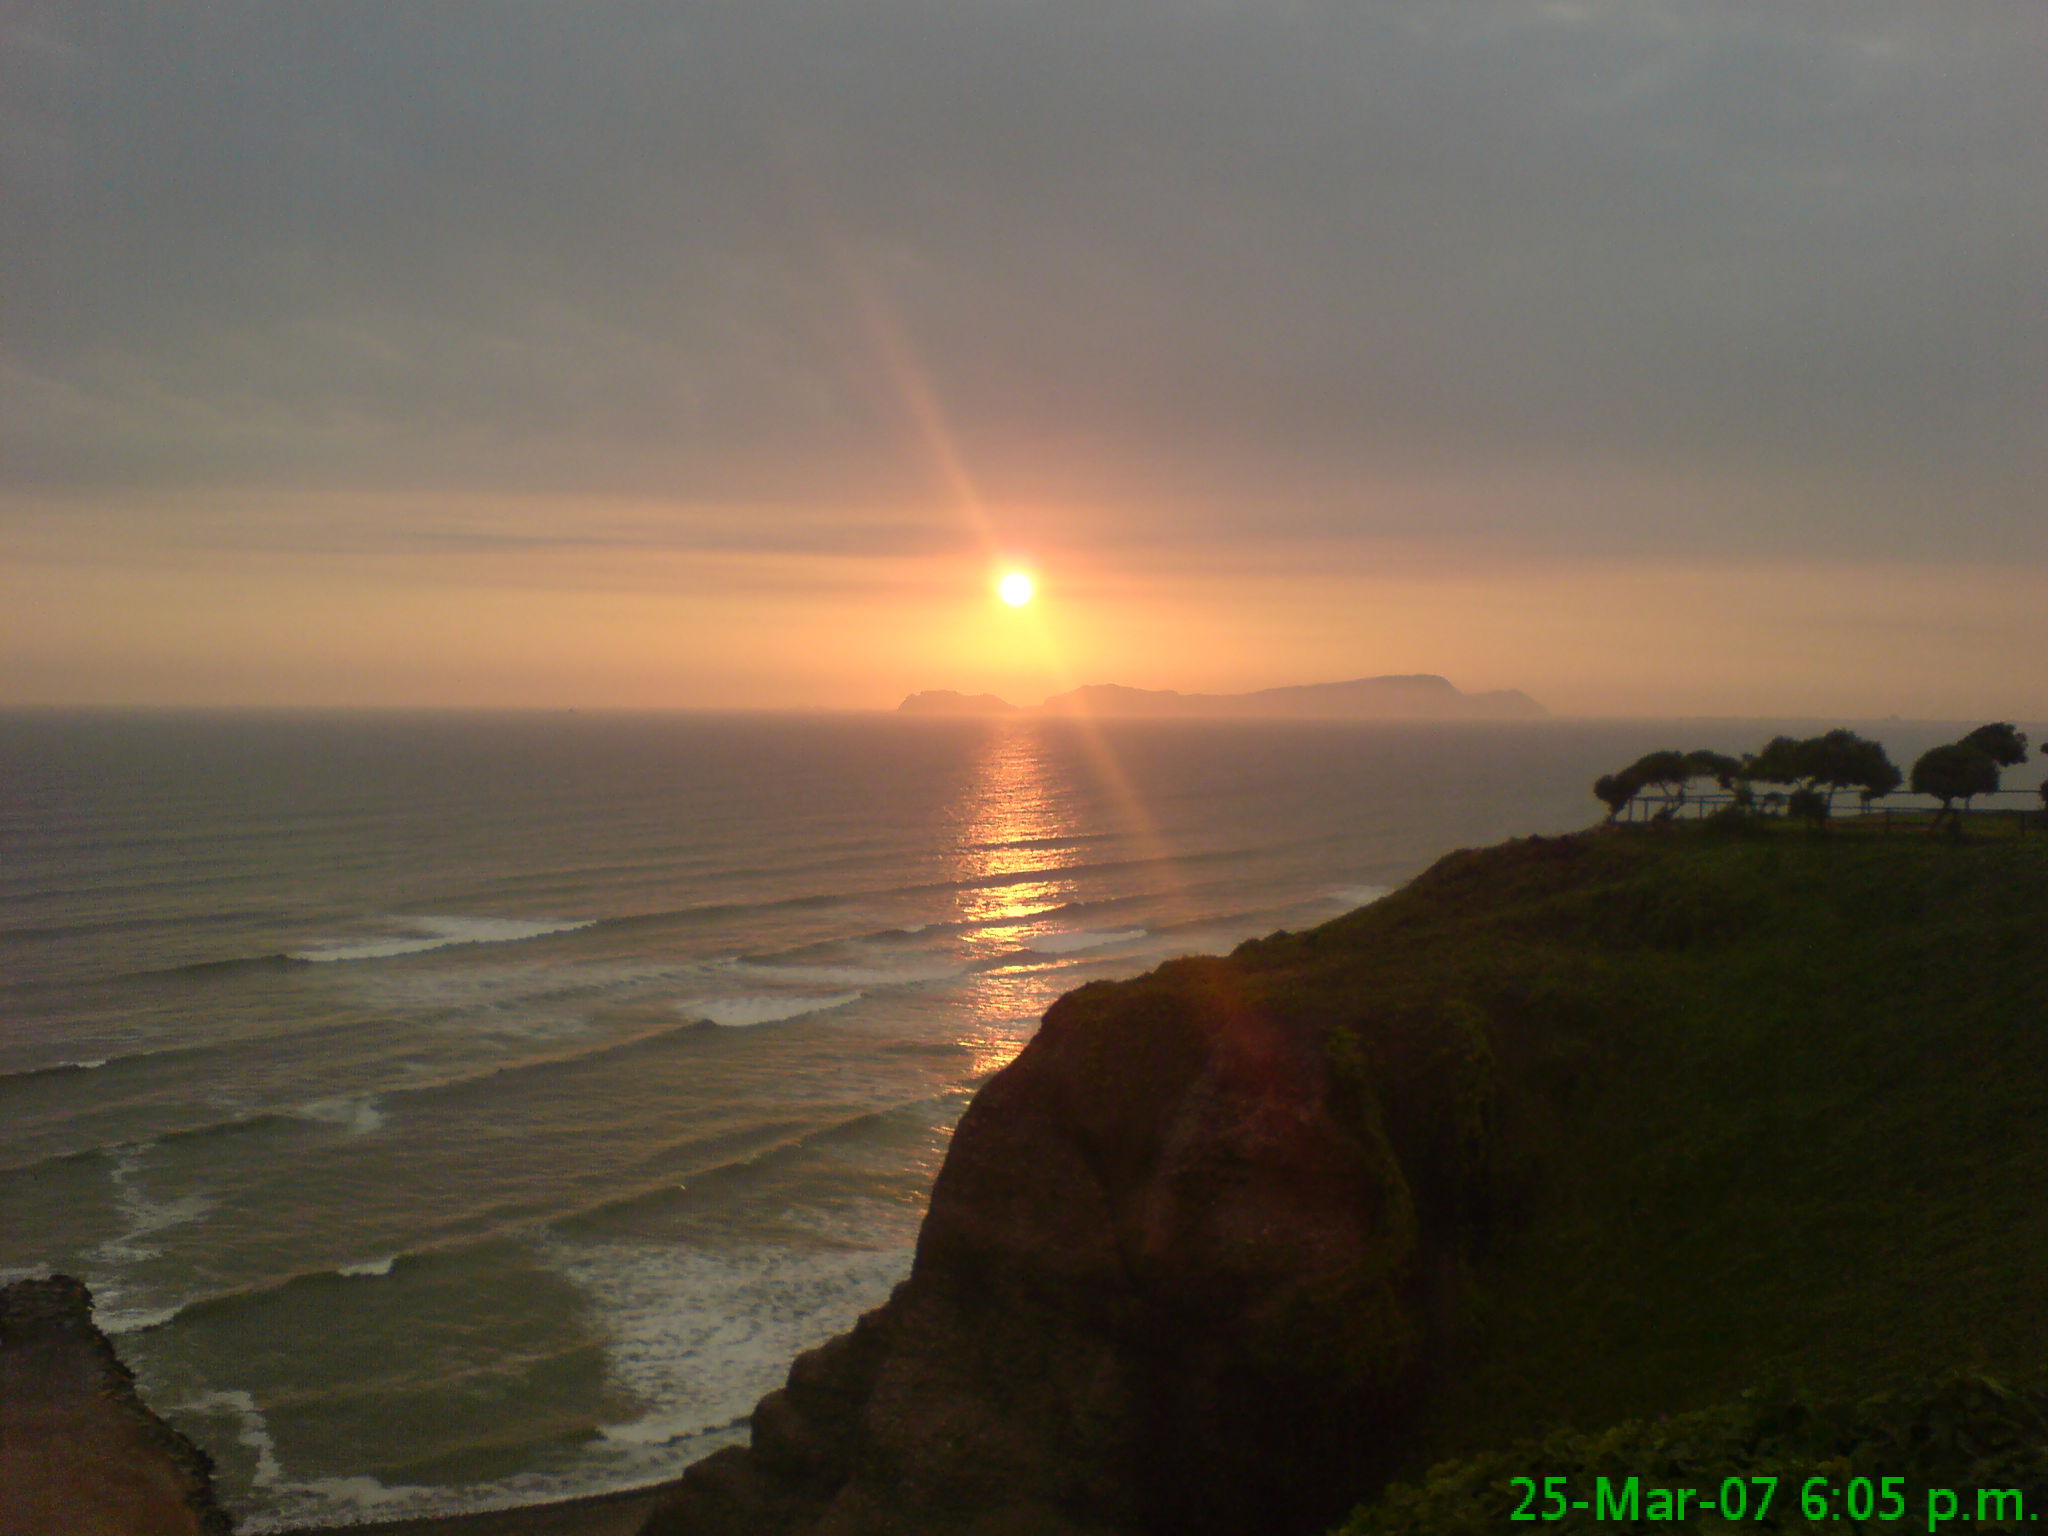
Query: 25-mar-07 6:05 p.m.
x: 1822, y: 1501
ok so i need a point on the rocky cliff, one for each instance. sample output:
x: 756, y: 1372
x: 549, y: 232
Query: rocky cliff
x: 80, y: 1453
x: 1161, y: 1286
x: 1563, y: 1132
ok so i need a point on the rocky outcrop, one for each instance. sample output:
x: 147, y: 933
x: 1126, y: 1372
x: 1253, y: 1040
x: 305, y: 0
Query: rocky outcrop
x: 80, y: 1453
x: 1168, y: 1283
x: 1421, y: 696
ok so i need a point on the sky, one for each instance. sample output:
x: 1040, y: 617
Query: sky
x: 1653, y: 356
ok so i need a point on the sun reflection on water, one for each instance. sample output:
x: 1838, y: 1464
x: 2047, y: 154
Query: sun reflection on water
x: 1013, y: 824
x: 1013, y: 834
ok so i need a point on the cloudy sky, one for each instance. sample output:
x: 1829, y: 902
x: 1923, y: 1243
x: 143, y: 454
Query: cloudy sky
x: 1655, y: 356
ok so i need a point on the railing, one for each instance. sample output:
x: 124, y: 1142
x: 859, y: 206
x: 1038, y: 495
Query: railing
x: 2021, y: 807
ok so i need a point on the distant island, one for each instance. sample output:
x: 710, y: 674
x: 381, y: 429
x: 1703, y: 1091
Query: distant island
x: 1420, y: 696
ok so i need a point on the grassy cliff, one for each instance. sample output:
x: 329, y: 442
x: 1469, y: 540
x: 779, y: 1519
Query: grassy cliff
x: 1565, y: 1133
x: 1715, y: 1111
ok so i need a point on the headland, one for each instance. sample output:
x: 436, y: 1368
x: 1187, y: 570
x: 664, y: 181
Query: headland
x: 1420, y: 696
x: 1568, y: 1133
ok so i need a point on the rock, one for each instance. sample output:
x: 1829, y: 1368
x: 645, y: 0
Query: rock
x: 80, y: 1453
x: 1163, y: 1286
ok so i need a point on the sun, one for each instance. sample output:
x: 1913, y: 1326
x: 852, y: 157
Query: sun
x: 1016, y: 589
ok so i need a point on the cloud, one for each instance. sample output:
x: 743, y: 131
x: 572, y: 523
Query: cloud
x: 1219, y: 267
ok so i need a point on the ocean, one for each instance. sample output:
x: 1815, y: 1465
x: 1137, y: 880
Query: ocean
x: 452, y: 1111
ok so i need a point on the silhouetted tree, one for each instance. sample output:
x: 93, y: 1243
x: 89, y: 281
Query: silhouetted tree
x: 1724, y: 770
x: 1665, y: 771
x: 1671, y: 772
x: 1615, y: 790
x: 1951, y: 773
x: 1884, y: 778
x: 2004, y: 744
x: 1822, y: 765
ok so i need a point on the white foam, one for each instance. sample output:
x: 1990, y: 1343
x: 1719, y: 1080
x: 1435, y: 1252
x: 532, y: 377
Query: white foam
x: 250, y: 1429
x: 700, y: 1335
x: 145, y: 1216
x: 369, y: 1267
x: 418, y: 934
x: 697, y: 1335
x: 358, y: 1117
x: 744, y: 1012
x: 117, y: 1319
x: 1068, y: 943
x: 1357, y: 895
x: 294, y: 1500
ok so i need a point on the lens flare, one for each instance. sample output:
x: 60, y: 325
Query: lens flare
x: 1016, y: 589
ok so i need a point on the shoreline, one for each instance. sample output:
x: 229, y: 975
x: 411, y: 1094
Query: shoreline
x: 597, y: 1514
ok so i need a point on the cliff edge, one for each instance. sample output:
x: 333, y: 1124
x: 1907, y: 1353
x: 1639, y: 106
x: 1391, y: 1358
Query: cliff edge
x: 1160, y: 1286
x: 1564, y: 1131
x: 80, y: 1453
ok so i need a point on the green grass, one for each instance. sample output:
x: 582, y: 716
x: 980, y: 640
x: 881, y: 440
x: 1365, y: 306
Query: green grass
x: 1700, y: 1109
x: 1948, y: 1455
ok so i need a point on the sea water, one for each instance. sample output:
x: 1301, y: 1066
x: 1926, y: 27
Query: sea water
x: 454, y: 1111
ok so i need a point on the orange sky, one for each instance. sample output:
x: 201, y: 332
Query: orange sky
x: 129, y: 618
x: 1650, y: 357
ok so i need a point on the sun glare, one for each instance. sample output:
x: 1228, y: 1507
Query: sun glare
x: 1016, y: 589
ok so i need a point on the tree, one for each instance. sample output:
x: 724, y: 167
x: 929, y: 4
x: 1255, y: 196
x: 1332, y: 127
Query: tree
x: 1951, y: 773
x: 1821, y: 765
x: 2002, y: 743
x: 1615, y: 790
x: 1671, y: 772
x: 1665, y: 771
x: 1882, y: 781
x: 1718, y: 766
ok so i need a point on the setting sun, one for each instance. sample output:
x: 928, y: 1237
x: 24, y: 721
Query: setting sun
x: 1016, y: 589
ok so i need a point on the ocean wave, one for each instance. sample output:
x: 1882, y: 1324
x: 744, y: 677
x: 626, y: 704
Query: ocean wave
x: 424, y: 933
x: 138, y: 1320
x: 241, y: 965
x: 660, y: 1185
x: 711, y: 912
x: 1358, y: 895
x: 858, y: 976
x: 745, y: 1012
x: 54, y: 1069
x: 360, y: 1113
x: 358, y: 1116
x: 146, y: 1217
x: 35, y: 933
x: 1086, y: 938
x: 702, y: 1334
x: 1067, y: 840
x: 230, y: 1046
x: 1070, y: 871
x: 113, y: 1319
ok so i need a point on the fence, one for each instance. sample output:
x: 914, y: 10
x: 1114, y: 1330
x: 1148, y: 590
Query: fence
x: 2021, y: 807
